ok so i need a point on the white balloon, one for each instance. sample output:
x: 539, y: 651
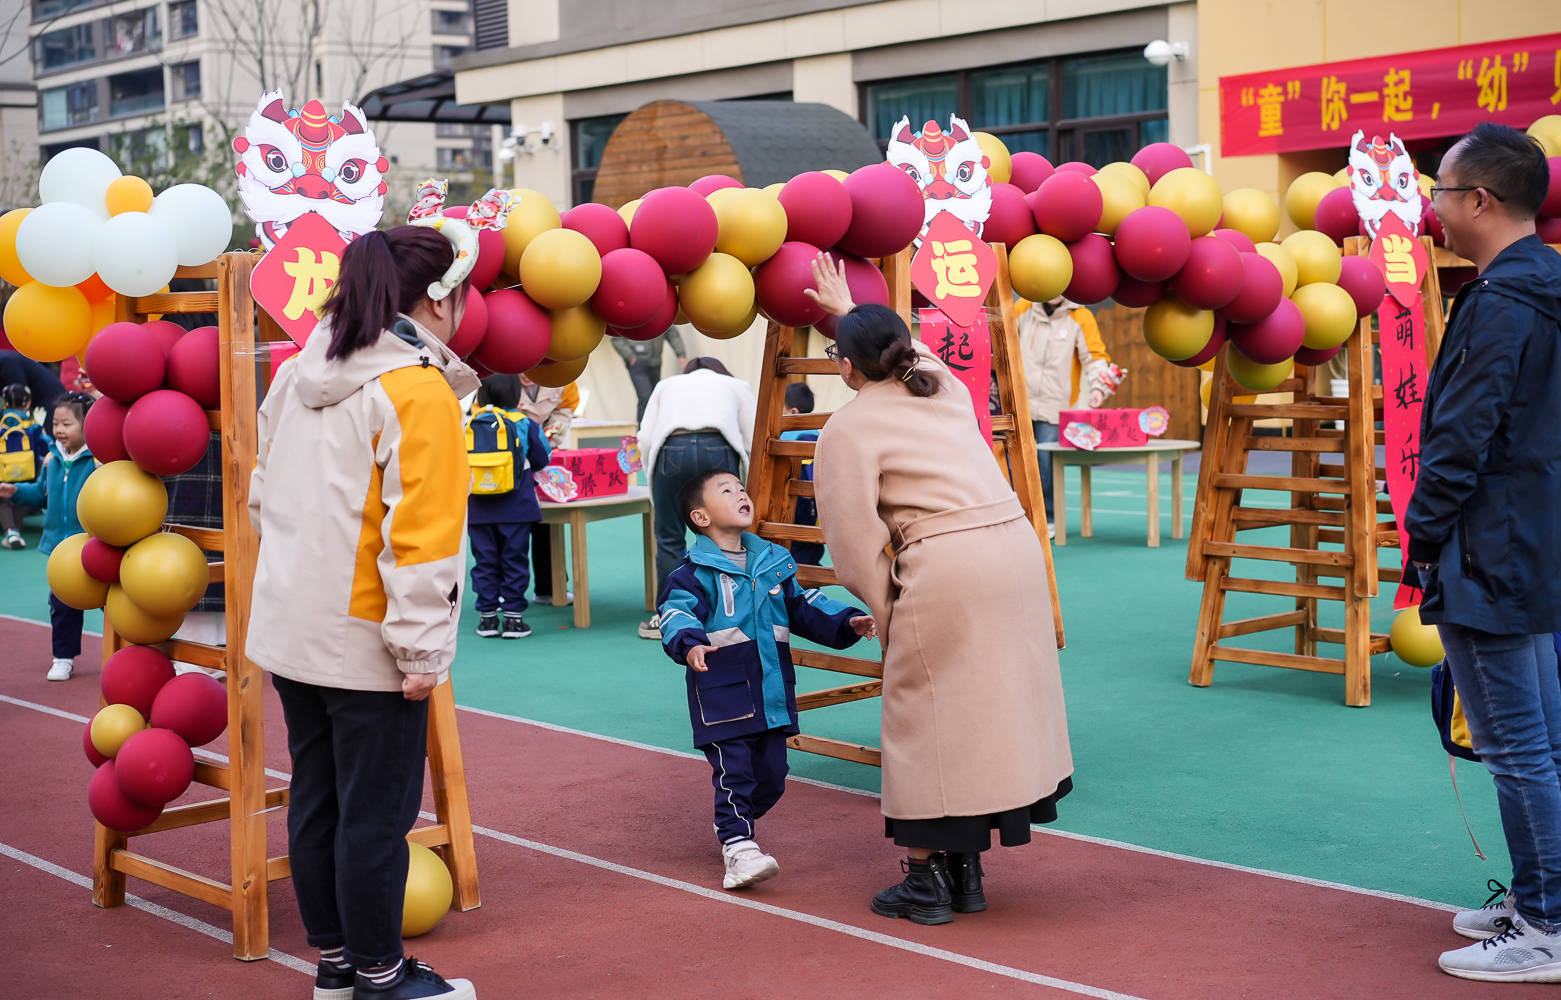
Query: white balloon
x: 201, y: 221
x: 135, y: 253
x: 78, y: 175
x: 54, y: 243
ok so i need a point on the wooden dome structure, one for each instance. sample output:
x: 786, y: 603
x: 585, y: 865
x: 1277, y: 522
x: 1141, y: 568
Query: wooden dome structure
x: 667, y: 143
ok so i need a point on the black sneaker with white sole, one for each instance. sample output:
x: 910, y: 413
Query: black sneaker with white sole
x: 333, y: 982
x: 415, y: 981
x: 515, y: 627
x: 488, y: 625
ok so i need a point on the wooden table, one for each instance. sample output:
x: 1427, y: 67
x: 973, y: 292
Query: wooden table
x: 1150, y: 454
x: 580, y: 430
x: 576, y: 515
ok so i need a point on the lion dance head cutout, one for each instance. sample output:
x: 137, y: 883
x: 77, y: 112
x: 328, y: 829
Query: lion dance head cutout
x: 949, y: 167
x: 1383, y: 179
x: 491, y: 211
x: 293, y: 161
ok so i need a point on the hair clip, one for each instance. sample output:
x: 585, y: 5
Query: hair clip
x: 908, y: 373
x: 488, y: 212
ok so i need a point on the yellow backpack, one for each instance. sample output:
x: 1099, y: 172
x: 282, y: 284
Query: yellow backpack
x: 489, y: 454
x: 18, y: 464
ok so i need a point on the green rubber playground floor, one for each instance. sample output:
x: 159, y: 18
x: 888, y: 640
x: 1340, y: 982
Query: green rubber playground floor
x: 1266, y: 769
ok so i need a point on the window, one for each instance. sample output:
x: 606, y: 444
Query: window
x: 183, y: 19
x: 62, y: 107
x: 135, y: 93
x: 460, y: 130
x: 453, y: 159
x: 588, y: 138
x: 66, y: 47
x: 44, y: 9
x: 184, y: 80
x: 127, y: 34
x: 452, y: 22
x: 1095, y: 108
x: 444, y: 55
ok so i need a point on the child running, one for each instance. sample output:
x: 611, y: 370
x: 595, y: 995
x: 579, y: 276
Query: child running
x: 65, y: 471
x: 727, y: 612
x: 23, y: 450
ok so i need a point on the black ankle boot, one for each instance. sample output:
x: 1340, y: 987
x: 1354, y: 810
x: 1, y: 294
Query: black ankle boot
x: 923, y: 897
x: 965, y: 882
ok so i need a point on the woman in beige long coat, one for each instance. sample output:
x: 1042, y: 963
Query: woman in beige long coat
x: 923, y: 527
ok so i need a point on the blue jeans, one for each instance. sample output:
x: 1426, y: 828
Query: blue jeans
x: 1045, y: 433
x: 1511, y: 696
x: 681, y: 458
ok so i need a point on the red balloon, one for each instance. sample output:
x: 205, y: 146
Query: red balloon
x: 1454, y: 278
x: 659, y: 321
x: 167, y: 432
x: 1212, y: 348
x: 779, y: 282
x: 867, y: 286
x: 126, y: 361
x: 518, y: 333
x: 1273, y: 338
x: 1236, y: 238
x: 1160, y: 158
x: 134, y: 675
x: 1137, y: 294
x: 675, y: 226
x: 707, y: 184
x: 1010, y: 220
x: 1431, y: 226
x: 1548, y: 228
x: 1152, y: 243
x: 1552, y: 203
x: 1068, y: 206
x: 1336, y: 215
x: 1261, y: 289
x: 101, y: 561
x: 1029, y: 171
x: 104, y: 429
x: 154, y: 767
x: 195, y: 366
x: 93, y: 757
x: 886, y: 211
x: 1077, y: 167
x: 111, y: 807
x: 818, y: 209
x: 166, y: 331
x: 601, y: 225
x: 1095, y: 271
x: 1365, y: 283
x: 193, y: 705
x: 1312, y: 358
x: 632, y: 289
x: 1211, y: 278
x: 474, y: 323
x: 490, y: 251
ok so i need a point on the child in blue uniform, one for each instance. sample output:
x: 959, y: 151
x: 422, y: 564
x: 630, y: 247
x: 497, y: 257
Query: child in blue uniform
x: 505, y: 449
x: 23, y: 450
x: 727, y: 613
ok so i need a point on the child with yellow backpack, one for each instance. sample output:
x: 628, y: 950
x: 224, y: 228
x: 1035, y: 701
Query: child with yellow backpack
x: 505, y: 449
x: 23, y: 449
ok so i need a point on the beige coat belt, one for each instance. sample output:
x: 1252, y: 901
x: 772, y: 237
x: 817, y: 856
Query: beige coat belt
x: 979, y: 515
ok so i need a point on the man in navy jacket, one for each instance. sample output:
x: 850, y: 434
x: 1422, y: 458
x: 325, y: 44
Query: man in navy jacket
x: 1484, y: 530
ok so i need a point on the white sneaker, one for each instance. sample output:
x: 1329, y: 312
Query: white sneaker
x: 60, y: 670
x: 1489, y: 920
x: 746, y: 864
x: 1520, y: 954
x: 14, y: 540
x: 651, y: 629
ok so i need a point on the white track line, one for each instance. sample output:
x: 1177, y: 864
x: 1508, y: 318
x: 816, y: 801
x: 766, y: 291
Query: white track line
x: 155, y: 909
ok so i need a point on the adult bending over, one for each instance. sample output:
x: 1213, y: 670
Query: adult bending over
x: 923, y: 527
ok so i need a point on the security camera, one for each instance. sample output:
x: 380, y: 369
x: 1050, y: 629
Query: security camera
x: 545, y: 133
x: 1162, y: 53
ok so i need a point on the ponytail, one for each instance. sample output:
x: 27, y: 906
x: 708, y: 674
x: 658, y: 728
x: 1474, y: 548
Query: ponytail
x: 899, y: 361
x: 877, y: 343
x: 383, y: 273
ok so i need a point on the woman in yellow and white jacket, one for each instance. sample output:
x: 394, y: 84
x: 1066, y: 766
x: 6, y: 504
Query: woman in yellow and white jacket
x: 359, y: 494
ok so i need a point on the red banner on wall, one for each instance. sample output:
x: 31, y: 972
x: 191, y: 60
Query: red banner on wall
x: 1437, y: 92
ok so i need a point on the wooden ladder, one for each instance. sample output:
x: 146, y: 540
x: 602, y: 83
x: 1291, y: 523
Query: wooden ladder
x: 242, y: 773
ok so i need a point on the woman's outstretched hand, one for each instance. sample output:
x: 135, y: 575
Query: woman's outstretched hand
x: 829, y: 289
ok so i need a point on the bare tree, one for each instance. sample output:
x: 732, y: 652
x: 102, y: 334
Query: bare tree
x: 14, y: 27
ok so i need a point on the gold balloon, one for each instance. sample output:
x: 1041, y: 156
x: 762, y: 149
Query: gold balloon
x: 629, y: 208
x: 1127, y: 171
x: 1285, y: 262
x: 128, y: 194
x: 1329, y: 313
x: 718, y: 294
x: 122, y: 504
x: 164, y: 574
x: 1119, y: 196
x: 531, y: 215
x: 721, y: 194
x: 1000, y: 166
x: 1252, y: 213
x: 1426, y: 183
x: 1547, y: 131
x: 1040, y: 268
x: 560, y: 268
x: 557, y: 374
x: 1317, y: 257
x: 774, y: 190
x: 1414, y: 642
x: 839, y: 175
x: 1251, y: 375
x: 133, y: 622
x: 752, y: 225
x: 576, y: 332
x: 1175, y: 330
x: 1191, y: 194
x: 68, y: 581
x: 113, y: 725
x: 11, y: 268
x: 428, y: 894
x: 1303, y: 195
x: 736, y: 330
x: 46, y: 323
x: 1207, y: 388
x: 1341, y: 177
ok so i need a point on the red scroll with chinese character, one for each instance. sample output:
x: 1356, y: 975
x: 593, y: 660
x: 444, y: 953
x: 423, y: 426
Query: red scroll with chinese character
x: 291, y: 282
x: 967, y: 350
x: 1405, y: 370
x: 954, y: 269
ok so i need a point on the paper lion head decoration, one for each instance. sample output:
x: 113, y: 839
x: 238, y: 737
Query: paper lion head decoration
x: 488, y: 212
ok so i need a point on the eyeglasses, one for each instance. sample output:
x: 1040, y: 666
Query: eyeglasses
x: 1436, y: 190
x: 832, y: 352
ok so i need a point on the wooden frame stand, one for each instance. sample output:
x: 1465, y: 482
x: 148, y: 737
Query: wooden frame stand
x: 242, y: 773
x: 775, y: 483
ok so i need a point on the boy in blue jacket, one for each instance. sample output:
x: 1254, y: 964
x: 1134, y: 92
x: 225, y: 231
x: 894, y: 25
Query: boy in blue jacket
x: 65, y: 471
x: 506, y: 449
x: 727, y: 612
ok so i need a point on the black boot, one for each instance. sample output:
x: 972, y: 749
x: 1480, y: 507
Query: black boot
x: 923, y: 897
x: 965, y: 882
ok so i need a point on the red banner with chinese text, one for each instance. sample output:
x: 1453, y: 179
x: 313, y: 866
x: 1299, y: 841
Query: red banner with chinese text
x: 1405, y: 374
x: 967, y: 350
x: 292, y: 280
x: 954, y: 269
x: 1437, y: 92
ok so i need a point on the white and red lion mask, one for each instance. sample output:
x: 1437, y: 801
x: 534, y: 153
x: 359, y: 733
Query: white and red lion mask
x: 949, y: 167
x: 1383, y: 179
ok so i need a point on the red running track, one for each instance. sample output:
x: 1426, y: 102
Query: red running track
x: 600, y: 878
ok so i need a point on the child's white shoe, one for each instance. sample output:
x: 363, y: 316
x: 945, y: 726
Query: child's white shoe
x: 746, y: 864
x: 60, y: 670
x: 13, y: 540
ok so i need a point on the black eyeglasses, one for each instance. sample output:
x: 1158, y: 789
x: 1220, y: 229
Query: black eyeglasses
x: 832, y: 352
x: 1436, y: 190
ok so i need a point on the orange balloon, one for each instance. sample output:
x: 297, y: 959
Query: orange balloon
x: 47, y: 323
x: 128, y: 194
x: 102, y: 314
x: 11, y: 268
x: 94, y: 289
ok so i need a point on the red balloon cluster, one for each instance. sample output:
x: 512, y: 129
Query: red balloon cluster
x: 157, y: 387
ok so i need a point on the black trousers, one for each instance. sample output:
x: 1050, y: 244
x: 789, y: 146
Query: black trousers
x: 501, y: 565
x: 64, y: 629
x: 542, y: 563
x: 357, y: 785
x: 749, y: 775
x: 644, y: 375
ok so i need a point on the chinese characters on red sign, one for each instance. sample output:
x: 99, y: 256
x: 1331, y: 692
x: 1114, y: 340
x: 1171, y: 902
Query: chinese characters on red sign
x: 967, y: 350
x: 1405, y: 372
x: 1401, y: 258
x: 954, y: 269
x: 1437, y: 92
x: 291, y: 282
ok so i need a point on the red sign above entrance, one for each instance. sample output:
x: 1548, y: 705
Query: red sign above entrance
x: 1438, y: 92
